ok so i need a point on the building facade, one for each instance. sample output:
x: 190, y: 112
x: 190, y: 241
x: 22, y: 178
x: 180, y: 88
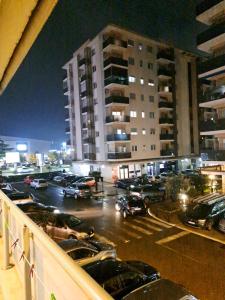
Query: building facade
x: 131, y: 102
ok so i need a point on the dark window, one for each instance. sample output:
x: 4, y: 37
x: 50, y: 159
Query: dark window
x: 141, y: 63
x: 132, y: 96
x: 149, y: 49
x: 130, y: 43
x: 142, y: 97
x: 150, y: 66
x: 93, y: 68
x: 131, y: 60
x: 151, y: 99
x: 92, y: 52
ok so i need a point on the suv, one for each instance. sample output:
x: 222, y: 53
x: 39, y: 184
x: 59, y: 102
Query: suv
x: 39, y: 183
x: 60, y: 226
x: 206, y: 213
x: 148, y: 192
x: 130, y: 205
x: 77, y: 191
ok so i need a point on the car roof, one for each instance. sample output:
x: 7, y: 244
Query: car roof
x: 160, y: 289
x: 210, y: 199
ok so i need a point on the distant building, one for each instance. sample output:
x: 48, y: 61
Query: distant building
x: 132, y: 104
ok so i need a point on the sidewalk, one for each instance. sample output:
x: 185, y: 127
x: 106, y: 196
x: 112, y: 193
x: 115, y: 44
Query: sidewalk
x: 10, y: 285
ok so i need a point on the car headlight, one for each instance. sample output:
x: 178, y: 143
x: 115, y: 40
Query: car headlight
x: 201, y: 222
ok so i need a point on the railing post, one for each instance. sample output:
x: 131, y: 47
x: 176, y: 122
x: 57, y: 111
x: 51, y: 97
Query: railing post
x: 26, y: 278
x: 5, y: 236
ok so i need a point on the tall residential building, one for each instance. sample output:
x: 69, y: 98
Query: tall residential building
x: 132, y: 104
x: 211, y: 74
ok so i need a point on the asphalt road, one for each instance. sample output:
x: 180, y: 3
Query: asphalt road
x: 196, y: 262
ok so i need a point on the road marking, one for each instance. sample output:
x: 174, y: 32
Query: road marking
x: 137, y: 228
x: 132, y: 234
x: 157, y: 222
x: 172, y: 237
x: 147, y: 225
x: 104, y: 239
x: 114, y: 235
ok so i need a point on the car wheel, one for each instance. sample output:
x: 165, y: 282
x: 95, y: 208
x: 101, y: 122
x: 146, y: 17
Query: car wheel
x: 209, y: 225
x: 124, y: 214
x: 117, y: 207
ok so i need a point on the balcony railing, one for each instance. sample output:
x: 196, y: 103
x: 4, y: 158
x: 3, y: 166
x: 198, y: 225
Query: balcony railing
x: 117, y: 80
x: 67, y: 129
x: 90, y: 156
x: 205, y: 5
x: 210, y: 33
x: 212, y: 125
x: 165, y: 72
x: 211, y: 64
x: 212, y: 94
x: 165, y: 104
x: 87, y: 109
x: 166, y: 120
x: 116, y: 61
x: 110, y: 119
x: 118, y: 137
x: 166, y: 136
x: 167, y: 152
x: 88, y: 140
x: 165, y: 55
x: 116, y: 99
x: 114, y: 41
x: 211, y: 154
x: 119, y: 155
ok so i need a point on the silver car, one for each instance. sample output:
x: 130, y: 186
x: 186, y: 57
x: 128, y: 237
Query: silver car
x: 85, y: 252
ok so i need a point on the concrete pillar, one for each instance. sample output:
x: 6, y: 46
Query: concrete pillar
x: 27, y: 277
x: 5, y: 236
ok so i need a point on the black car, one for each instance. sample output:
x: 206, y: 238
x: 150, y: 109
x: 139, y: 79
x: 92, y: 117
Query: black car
x: 18, y: 196
x: 130, y: 205
x: 206, y: 213
x: 119, y: 278
x: 62, y: 226
x: 35, y: 207
x: 149, y: 192
x: 126, y: 183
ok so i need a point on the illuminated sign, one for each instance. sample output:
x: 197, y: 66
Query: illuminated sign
x: 12, y: 157
x: 21, y: 147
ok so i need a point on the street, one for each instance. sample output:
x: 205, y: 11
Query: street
x: 180, y: 255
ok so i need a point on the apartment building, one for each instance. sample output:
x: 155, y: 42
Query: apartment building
x: 131, y: 104
x: 211, y: 74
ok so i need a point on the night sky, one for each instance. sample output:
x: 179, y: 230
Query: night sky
x: 33, y: 103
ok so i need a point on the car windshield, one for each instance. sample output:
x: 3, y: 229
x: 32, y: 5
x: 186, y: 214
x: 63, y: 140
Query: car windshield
x: 136, y: 203
x: 72, y: 221
x: 201, y: 210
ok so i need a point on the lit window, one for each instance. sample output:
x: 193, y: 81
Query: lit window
x: 132, y: 79
x: 133, y: 114
x: 151, y: 82
x: 133, y: 131
x: 143, y: 114
x: 116, y: 113
x: 140, y: 46
x: 142, y: 81
x: 143, y: 131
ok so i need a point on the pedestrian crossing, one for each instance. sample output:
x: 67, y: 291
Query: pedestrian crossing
x: 132, y: 229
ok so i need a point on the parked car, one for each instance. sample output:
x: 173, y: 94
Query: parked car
x: 28, y: 179
x: 126, y: 183
x: 6, y: 186
x: 148, y: 192
x: 85, y: 252
x: 221, y: 225
x: 119, y: 278
x: 62, y: 226
x: 18, y: 197
x: 130, y: 205
x: 39, y: 183
x: 207, y: 213
x: 161, y: 289
x: 24, y: 169
x: 77, y: 191
x: 90, y: 181
x: 35, y: 207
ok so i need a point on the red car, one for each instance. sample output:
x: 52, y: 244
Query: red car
x: 28, y: 179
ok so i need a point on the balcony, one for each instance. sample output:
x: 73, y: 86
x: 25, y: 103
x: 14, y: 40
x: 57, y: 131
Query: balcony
x: 165, y: 73
x: 212, y: 125
x: 111, y: 41
x: 165, y: 56
x: 212, y: 67
x: 206, y: 5
x: 164, y: 90
x: 82, y: 62
x: 67, y: 130
x: 213, y: 97
x: 83, y: 77
x: 65, y: 77
x: 166, y: 120
x: 67, y: 116
x: 65, y: 89
x: 116, y: 80
x: 119, y: 155
x: 167, y: 152
x: 87, y: 125
x: 117, y: 137
x: 165, y: 104
x: 115, y: 61
x: 66, y: 103
x: 90, y: 156
x: 68, y: 143
x: 166, y: 136
x: 88, y: 140
x: 111, y: 119
x: 116, y: 100
x: 214, y: 35
x: 87, y: 109
x: 84, y: 94
x: 210, y: 154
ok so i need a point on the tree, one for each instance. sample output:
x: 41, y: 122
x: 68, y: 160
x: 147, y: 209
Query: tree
x: 4, y: 148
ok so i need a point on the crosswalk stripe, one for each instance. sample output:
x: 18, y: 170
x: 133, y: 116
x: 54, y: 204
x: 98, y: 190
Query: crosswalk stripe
x: 172, y: 237
x: 104, y: 239
x: 137, y: 228
x: 132, y: 234
x: 114, y: 234
x: 147, y: 225
x: 157, y: 222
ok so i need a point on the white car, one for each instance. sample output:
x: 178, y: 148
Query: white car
x: 39, y: 183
